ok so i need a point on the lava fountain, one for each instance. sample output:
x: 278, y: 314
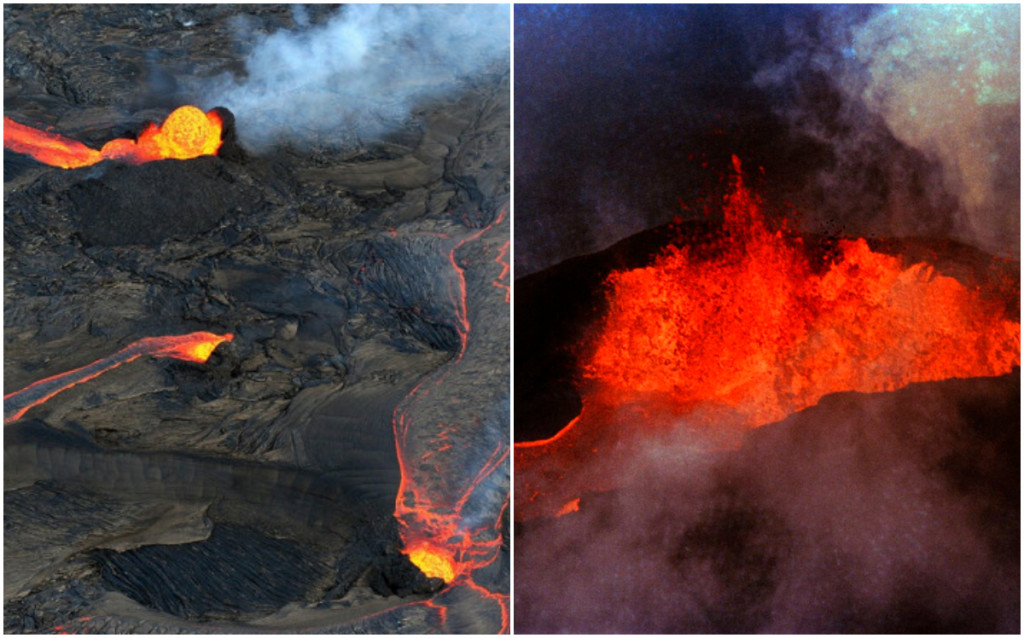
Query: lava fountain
x: 749, y: 327
x: 187, y: 133
x: 196, y: 347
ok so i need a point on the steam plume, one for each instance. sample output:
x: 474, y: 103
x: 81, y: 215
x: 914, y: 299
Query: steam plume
x: 360, y: 72
x: 945, y: 80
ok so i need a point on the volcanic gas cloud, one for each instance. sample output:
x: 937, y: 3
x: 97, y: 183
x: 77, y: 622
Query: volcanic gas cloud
x: 187, y: 133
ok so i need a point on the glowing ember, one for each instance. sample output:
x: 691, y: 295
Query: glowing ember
x: 755, y: 329
x: 747, y: 329
x: 187, y: 133
x: 196, y: 347
x: 569, y: 508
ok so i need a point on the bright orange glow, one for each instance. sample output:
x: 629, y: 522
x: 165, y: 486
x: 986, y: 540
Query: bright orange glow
x: 433, y: 561
x: 196, y: 347
x: 747, y: 328
x: 569, y: 508
x: 187, y: 133
x: 755, y: 329
x: 47, y: 147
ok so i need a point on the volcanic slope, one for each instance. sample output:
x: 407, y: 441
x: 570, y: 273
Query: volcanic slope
x: 868, y: 513
x: 255, y: 492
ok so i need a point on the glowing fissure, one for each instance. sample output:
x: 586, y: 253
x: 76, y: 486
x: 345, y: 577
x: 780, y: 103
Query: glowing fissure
x: 187, y: 133
x: 432, y: 525
x: 744, y: 330
x: 502, y: 259
x: 196, y: 347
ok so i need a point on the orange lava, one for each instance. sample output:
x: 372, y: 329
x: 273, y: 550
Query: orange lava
x: 187, y: 133
x: 756, y: 329
x: 196, y: 347
x: 502, y: 259
x: 435, y: 562
x: 569, y: 508
x: 747, y: 329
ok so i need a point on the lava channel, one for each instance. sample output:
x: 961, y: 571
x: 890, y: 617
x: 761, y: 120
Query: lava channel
x: 187, y: 133
x: 438, y: 537
x: 196, y: 347
x: 748, y: 328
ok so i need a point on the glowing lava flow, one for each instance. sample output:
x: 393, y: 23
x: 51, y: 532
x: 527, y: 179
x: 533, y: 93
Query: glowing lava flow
x: 187, y: 133
x: 745, y: 330
x: 196, y: 346
x: 502, y: 259
x: 439, y: 537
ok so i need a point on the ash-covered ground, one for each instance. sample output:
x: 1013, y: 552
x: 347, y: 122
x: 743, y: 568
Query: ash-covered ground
x: 352, y: 234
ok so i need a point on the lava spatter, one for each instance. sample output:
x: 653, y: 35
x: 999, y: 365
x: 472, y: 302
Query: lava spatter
x: 196, y: 347
x: 745, y: 329
x: 187, y: 133
x: 755, y: 329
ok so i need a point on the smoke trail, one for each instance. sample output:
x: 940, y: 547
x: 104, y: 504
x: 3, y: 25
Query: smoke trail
x: 359, y: 73
x: 944, y: 80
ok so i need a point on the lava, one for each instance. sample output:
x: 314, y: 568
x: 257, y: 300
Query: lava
x: 756, y: 330
x: 747, y: 328
x: 502, y: 260
x: 196, y: 347
x: 187, y: 133
x: 437, y: 535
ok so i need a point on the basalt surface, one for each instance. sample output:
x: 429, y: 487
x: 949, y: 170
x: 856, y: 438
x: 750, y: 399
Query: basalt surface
x: 255, y: 492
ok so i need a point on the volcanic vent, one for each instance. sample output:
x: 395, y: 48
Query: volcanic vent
x: 768, y: 374
x: 744, y: 359
x: 255, y: 382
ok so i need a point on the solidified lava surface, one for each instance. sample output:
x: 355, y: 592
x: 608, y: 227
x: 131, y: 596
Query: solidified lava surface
x: 255, y: 492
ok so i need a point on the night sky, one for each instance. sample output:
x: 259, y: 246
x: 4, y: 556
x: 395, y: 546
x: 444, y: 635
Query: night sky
x: 623, y: 112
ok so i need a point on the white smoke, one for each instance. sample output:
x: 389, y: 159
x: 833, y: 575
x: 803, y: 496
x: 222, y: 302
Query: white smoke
x: 864, y: 514
x: 945, y: 80
x: 358, y: 74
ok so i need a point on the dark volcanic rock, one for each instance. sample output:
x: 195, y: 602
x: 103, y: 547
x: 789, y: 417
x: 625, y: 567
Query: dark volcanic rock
x: 156, y: 201
x: 236, y: 573
x: 254, y: 492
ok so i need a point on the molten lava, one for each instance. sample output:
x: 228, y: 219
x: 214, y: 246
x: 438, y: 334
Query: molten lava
x: 747, y: 328
x: 433, y: 561
x: 196, y: 347
x: 756, y: 329
x: 502, y: 259
x: 438, y: 535
x: 187, y: 133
